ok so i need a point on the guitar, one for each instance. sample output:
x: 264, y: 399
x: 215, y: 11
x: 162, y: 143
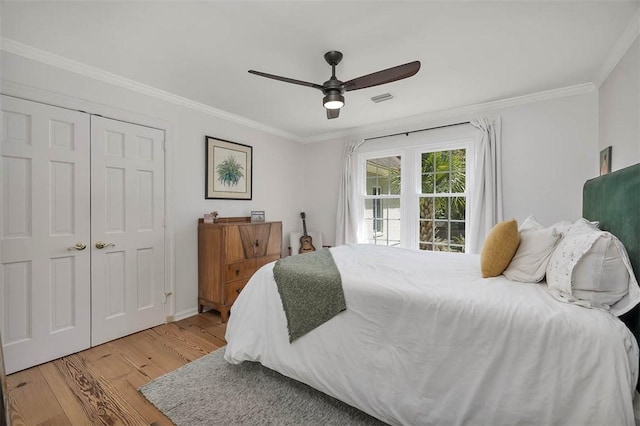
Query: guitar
x: 306, y: 243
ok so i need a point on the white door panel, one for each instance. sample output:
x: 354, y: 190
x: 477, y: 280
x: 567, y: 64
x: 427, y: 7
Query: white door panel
x: 127, y: 179
x: 44, y: 191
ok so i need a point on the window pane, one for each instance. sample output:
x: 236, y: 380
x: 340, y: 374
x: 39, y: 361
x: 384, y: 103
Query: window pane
x: 458, y: 159
x: 428, y: 181
x: 442, y: 208
x: 457, y: 233
x: 458, y: 182
x: 458, y: 205
x: 442, y: 161
x: 426, y: 208
x: 426, y: 231
x: 442, y: 232
x: 372, y: 185
x: 442, y: 183
x: 428, y: 161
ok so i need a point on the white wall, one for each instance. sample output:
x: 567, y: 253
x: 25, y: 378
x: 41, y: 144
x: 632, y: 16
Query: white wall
x: 549, y: 149
x: 619, y: 107
x: 276, y: 186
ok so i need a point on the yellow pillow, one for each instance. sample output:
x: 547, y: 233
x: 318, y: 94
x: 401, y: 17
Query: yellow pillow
x: 499, y: 248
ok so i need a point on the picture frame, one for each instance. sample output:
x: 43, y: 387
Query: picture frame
x: 257, y: 216
x: 605, y: 161
x: 229, y: 170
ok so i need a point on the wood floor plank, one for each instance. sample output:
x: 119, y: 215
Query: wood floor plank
x: 33, y: 399
x: 99, y: 386
x: 128, y: 387
x: 58, y: 420
x: 200, y: 331
x: 143, y: 357
x: 187, y: 346
x: 67, y: 399
x: 107, y: 362
x: 100, y: 398
x: 159, y: 353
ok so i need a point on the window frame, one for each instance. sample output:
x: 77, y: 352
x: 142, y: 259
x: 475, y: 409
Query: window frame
x: 411, y: 185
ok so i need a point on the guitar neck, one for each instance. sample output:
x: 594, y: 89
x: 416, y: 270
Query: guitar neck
x: 304, y: 228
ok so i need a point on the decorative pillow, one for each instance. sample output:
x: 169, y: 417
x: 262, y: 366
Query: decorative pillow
x: 529, y: 264
x: 498, y: 248
x: 591, y: 268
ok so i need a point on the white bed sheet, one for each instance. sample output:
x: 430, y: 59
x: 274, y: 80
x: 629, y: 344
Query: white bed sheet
x: 420, y: 345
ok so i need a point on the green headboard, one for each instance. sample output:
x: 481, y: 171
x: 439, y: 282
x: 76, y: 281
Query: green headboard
x: 614, y: 201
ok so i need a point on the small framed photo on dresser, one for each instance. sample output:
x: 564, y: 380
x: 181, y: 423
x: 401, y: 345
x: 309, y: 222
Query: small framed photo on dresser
x: 257, y: 216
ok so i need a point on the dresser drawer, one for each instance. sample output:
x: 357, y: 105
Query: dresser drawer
x: 233, y: 289
x: 261, y: 261
x: 240, y: 270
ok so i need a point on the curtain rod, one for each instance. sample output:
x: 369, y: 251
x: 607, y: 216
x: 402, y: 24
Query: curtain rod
x: 415, y: 131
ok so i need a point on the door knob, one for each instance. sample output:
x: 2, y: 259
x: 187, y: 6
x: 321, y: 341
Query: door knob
x: 101, y: 245
x: 78, y: 246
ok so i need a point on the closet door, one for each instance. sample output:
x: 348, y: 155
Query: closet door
x: 44, y: 235
x: 127, y: 228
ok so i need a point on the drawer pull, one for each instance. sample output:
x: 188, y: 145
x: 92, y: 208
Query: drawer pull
x: 257, y: 243
x: 237, y: 271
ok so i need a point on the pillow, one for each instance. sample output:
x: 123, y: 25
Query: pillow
x: 498, y: 248
x: 529, y: 264
x: 563, y: 226
x: 591, y: 268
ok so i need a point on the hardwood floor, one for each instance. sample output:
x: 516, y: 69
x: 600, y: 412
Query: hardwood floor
x: 99, y: 386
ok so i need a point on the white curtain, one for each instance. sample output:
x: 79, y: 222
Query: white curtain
x: 349, y: 202
x: 486, y: 204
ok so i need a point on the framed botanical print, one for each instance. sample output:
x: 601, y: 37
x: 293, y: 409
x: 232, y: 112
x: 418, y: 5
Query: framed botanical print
x: 229, y: 170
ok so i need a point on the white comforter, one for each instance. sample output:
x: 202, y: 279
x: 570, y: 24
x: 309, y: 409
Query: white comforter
x: 425, y: 340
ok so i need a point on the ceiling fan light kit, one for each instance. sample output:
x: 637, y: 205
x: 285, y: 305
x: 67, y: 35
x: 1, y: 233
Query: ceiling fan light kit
x: 333, y: 101
x: 333, y: 89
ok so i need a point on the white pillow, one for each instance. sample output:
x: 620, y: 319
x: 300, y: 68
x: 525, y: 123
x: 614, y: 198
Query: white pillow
x: 563, y: 226
x: 529, y: 264
x: 591, y: 268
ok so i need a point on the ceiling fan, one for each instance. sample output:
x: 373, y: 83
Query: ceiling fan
x: 333, y: 89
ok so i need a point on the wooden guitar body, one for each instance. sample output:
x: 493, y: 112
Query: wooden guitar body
x: 306, y: 242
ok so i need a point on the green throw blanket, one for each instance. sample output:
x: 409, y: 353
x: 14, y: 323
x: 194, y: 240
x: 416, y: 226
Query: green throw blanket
x: 311, y: 290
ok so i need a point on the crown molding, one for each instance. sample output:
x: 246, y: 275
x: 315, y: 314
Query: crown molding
x: 619, y: 49
x: 454, y: 113
x: 29, y: 52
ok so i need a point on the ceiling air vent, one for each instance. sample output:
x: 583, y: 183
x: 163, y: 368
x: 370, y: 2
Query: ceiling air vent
x: 382, y: 98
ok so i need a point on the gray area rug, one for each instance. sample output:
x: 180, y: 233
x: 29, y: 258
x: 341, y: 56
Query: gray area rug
x: 210, y: 391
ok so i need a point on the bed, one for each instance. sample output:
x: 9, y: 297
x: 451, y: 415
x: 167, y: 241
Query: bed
x: 419, y: 345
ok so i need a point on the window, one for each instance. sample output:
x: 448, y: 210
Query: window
x: 442, y: 201
x: 382, y: 200
x: 431, y: 185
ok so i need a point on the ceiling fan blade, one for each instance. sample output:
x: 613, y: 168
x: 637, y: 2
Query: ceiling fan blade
x: 333, y: 113
x: 383, y: 77
x: 287, y: 80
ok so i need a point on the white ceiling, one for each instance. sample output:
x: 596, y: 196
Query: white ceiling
x: 471, y: 52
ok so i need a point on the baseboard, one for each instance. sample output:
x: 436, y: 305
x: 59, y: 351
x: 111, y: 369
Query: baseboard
x: 184, y: 314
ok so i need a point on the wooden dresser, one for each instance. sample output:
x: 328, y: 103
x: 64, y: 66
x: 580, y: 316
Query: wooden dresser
x: 229, y: 252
